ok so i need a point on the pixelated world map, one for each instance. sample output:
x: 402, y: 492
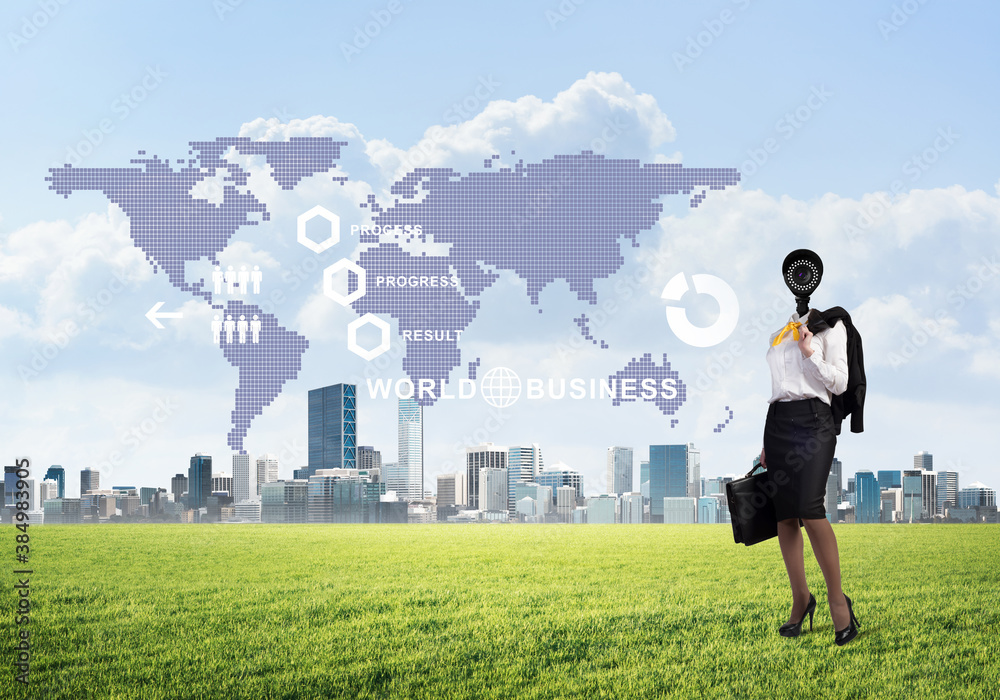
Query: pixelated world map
x: 561, y: 219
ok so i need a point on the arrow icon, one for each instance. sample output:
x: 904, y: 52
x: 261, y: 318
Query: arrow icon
x: 154, y: 314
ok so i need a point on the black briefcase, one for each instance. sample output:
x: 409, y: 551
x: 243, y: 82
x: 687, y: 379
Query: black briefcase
x: 751, y: 509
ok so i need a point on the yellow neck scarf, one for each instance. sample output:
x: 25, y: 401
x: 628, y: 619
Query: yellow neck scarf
x: 792, y: 326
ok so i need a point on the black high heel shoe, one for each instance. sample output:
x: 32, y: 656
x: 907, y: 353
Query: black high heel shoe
x: 842, y: 637
x: 794, y: 629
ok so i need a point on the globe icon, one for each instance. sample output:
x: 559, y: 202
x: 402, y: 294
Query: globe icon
x: 501, y: 387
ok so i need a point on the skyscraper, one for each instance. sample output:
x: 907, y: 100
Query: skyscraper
x: 267, y: 471
x: 524, y: 462
x: 241, y: 478
x: 333, y: 429
x: 222, y: 482
x: 913, y: 495
x: 868, y: 508
x: 477, y: 458
x: 58, y: 474
x: 670, y: 470
x: 199, y: 481
x: 838, y: 468
x: 693, y: 472
x: 977, y: 494
x: 178, y: 486
x: 890, y: 479
x: 947, y: 490
x: 90, y: 480
x: 369, y: 457
x: 831, y: 497
x: 395, y: 480
x: 619, y: 470
x: 493, y: 488
x: 47, y: 490
x: 411, y: 448
x: 451, y: 489
x: 560, y: 474
x: 929, y: 505
x: 923, y: 460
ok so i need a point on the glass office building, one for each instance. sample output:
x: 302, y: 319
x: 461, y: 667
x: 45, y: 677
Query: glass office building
x: 199, y: 481
x: 669, y: 476
x: 333, y: 429
x: 868, y: 507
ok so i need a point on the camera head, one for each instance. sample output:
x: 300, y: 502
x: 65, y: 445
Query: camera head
x: 802, y: 271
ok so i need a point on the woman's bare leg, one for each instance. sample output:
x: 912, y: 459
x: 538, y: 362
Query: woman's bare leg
x: 824, y: 545
x: 790, y: 540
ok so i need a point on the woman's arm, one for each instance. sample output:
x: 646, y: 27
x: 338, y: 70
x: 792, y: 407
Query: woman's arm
x: 827, y: 361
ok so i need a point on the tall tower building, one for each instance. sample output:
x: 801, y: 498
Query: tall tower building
x: 199, y: 481
x: 868, y: 508
x: 267, y: 471
x: 693, y: 472
x: 620, y: 470
x: 333, y: 429
x: 947, y: 490
x: 178, y: 486
x: 451, y: 489
x: 913, y: 495
x: 90, y: 480
x: 47, y: 490
x: 241, y: 478
x: 929, y: 505
x: 369, y: 458
x: 560, y: 474
x: 524, y: 462
x: 411, y: 448
x: 58, y: 474
x: 493, y: 488
x: 671, y: 469
x: 838, y: 468
x: 923, y: 460
x: 477, y: 458
x: 395, y: 479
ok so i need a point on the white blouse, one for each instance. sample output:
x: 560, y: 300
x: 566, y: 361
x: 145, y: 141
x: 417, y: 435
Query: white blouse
x: 794, y: 376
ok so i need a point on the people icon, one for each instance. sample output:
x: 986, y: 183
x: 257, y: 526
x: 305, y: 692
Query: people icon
x: 244, y: 279
x: 216, y: 329
x: 241, y: 327
x: 230, y: 279
x: 217, y: 278
x: 255, y: 325
x: 256, y: 276
x: 230, y: 327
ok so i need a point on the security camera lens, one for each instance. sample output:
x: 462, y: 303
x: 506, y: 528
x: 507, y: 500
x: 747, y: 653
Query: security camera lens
x: 802, y: 273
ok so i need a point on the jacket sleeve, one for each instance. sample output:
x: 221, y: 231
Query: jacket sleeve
x: 828, y: 362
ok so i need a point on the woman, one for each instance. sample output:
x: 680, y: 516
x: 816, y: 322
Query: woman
x: 799, y: 442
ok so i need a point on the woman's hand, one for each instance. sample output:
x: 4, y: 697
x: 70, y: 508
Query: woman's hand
x: 805, y: 340
x: 762, y: 462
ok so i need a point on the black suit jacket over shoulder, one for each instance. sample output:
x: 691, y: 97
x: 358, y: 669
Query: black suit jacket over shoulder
x: 852, y: 401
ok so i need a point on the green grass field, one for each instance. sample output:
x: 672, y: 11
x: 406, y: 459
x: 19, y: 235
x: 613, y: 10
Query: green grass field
x: 496, y: 611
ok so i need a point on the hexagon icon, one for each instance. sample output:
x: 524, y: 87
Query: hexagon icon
x: 352, y: 336
x: 350, y: 265
x: 308, y: 216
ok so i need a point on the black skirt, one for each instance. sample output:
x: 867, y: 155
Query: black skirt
x: 799, y: 442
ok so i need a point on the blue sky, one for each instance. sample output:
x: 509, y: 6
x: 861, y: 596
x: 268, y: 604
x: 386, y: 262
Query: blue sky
x: 892, y: 82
